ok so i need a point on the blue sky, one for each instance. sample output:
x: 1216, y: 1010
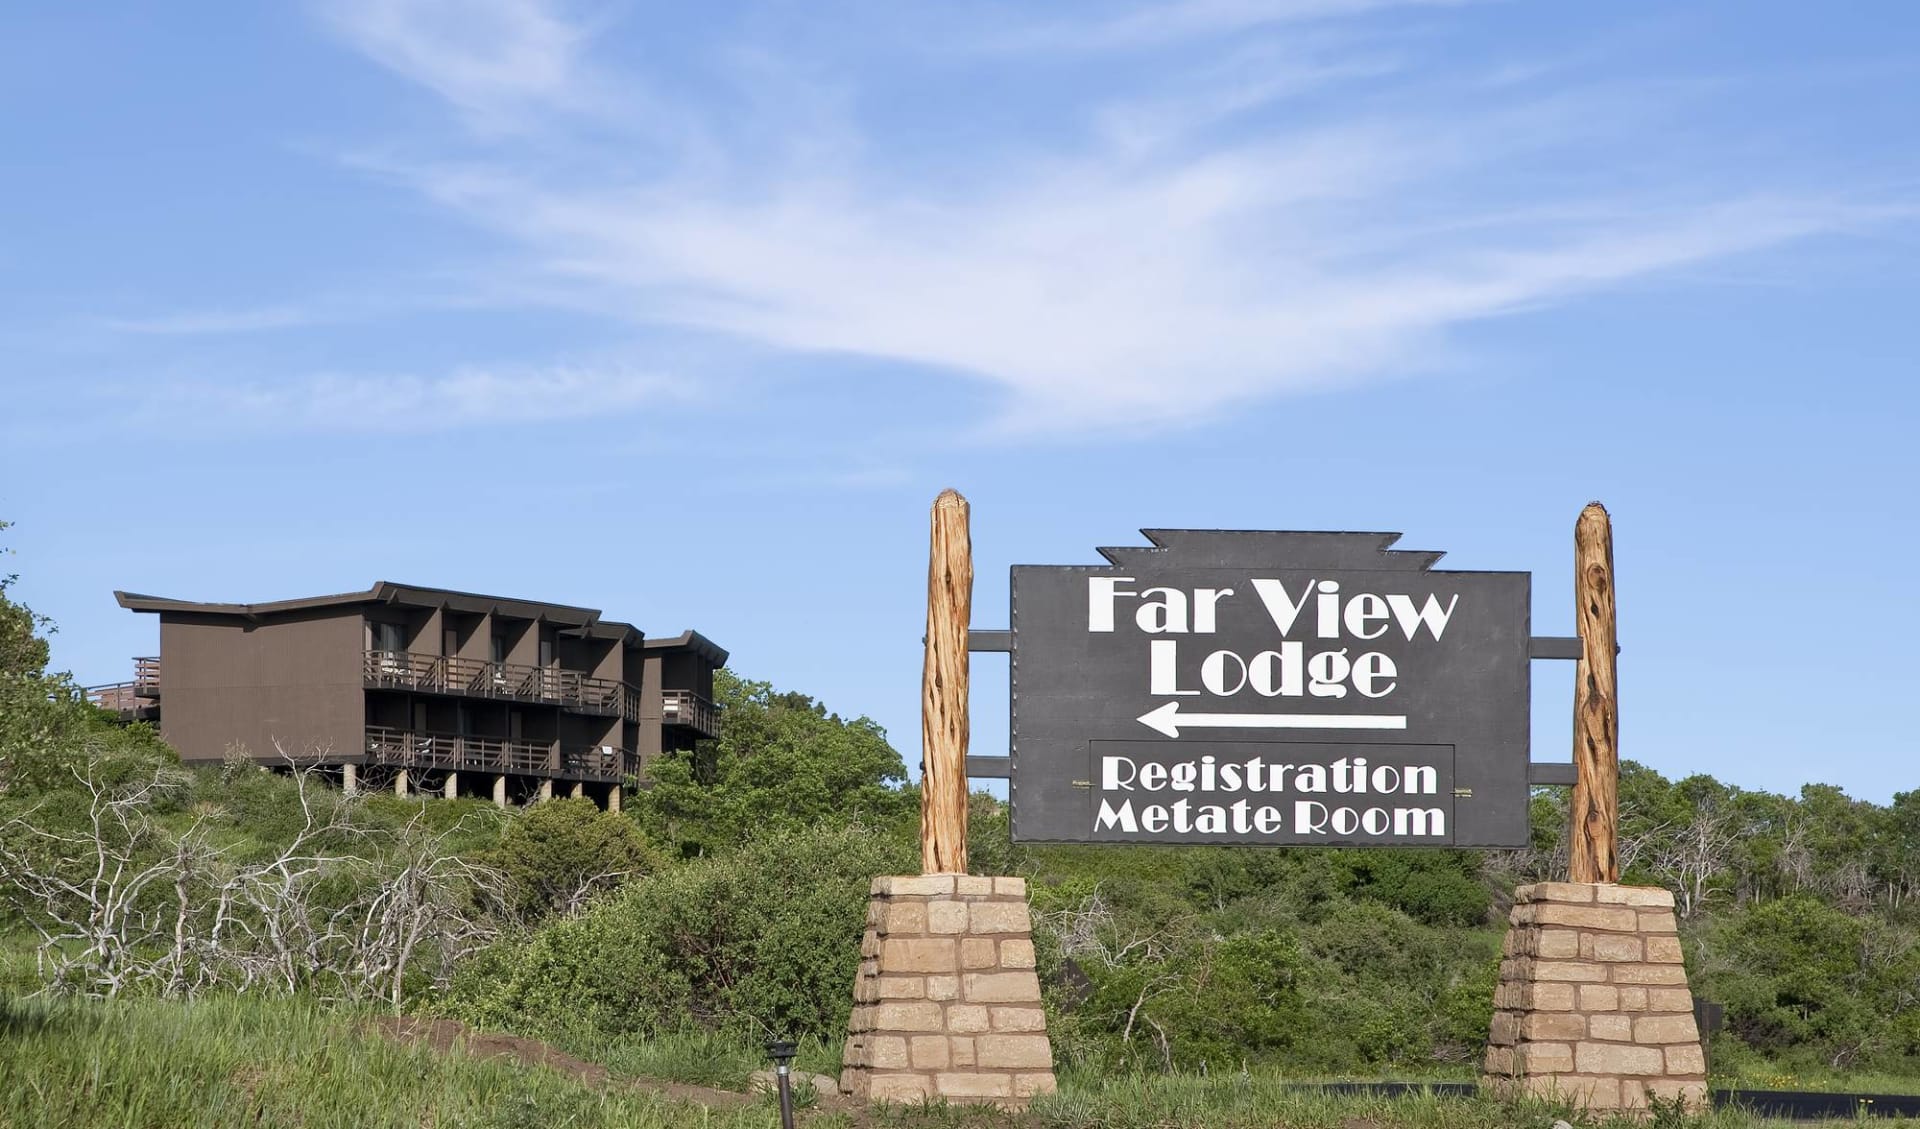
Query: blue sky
x: 687, y: 312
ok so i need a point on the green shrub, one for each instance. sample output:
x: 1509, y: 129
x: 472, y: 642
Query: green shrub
x: 762, y: 940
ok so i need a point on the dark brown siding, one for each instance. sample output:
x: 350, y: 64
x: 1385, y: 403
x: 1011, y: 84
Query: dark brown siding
x: 294, y: 680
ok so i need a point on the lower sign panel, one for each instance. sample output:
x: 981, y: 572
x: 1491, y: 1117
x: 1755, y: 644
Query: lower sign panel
x: 1292, y: 793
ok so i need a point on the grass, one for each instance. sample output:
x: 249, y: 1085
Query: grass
x: 232, y: 1062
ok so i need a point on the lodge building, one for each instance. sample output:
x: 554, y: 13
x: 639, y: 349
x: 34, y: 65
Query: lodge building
x: 422, y: 690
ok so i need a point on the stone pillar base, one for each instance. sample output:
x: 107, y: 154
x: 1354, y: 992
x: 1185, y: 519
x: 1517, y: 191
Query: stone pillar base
x: 947, y: 1004
x: 1593, y: 1005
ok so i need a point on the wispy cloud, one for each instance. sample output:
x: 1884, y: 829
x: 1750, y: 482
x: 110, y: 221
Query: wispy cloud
x: 1157, y: 26
x: 496, y: 60
x: 1152, y: 268
x: 404, y: 402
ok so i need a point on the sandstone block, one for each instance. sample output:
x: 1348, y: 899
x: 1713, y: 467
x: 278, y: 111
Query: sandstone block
x: 1030, y: 1052
x: 1572, y: 893
x: 1567, y: 1026
x: 971, y: 885
x: 1570, y: 970
x: 967, y: 1018
x: 1018, y: 1018
x: 943, y: 987
x: 929, y: 1052
x: 1618, y: 1058
x: 917, y: 954
x: 1616, y: 919
x: 1612, y: 947
x: 977, y: 952
x: 1633, y: 896
x: 1658, y: 921
x: 887, y: 1052
x: 1001, y: 987
x: 1597, y: 1093
x: 1550, y: 997
x: 1001, y: 917
x: 1556, y: 944
x: 1544, y: 1058
x: 1599, y: 997
x: 1649, y: 974
x: 903, y: 1088
x: 1504, y: 1031
x: 1614, y: 1026
x: 1635, y: 999
x: 1012, y: 887
x: 957, y: 1084
x: 1665, y: 1029
x: 1520, y: 915
x: 1667, y: 1089
x: 919, y: 885
x: 1686, y: 1058
x: 961, y: 1050
x: 907, y: 917
x: 1669, y: 999
x: 1500, y: 1061
x: 1039, y: 1082
x: 1663, y: 950
x: 907, y: 1017
x: 1015, y: 953
x: 946, y: 917
x: 899, y: 987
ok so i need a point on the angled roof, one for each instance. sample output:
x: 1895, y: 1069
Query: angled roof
x: 586, y: 621
x: 690, y: 641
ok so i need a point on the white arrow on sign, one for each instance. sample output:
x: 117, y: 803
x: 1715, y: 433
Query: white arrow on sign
x: 1168, y: 719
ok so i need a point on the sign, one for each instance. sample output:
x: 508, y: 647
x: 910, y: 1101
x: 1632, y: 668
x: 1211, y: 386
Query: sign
x: 1270, y: 687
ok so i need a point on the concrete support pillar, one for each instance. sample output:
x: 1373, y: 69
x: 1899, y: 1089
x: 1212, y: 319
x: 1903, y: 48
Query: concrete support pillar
x: 500, y: 790
x: 579, y: 791
x: 613, y: 799
x: 452, y: 787
x: 546, y: 789
x: 350, y: 779
x: 400, y: 783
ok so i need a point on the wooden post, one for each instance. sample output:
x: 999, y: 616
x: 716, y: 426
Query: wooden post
x: 1594, y: 813
x: 943, y: 691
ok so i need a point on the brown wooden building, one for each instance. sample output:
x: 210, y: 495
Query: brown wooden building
x: 423, y: 689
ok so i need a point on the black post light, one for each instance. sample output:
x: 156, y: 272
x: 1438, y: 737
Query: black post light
x: 781, y: 1051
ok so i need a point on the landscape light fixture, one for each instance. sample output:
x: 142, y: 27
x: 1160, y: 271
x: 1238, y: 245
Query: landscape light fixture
x: 781, y: 1051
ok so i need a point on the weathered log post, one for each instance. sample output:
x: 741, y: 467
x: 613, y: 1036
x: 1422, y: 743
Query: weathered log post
x: 943, y: 690
x: 1594, y: 810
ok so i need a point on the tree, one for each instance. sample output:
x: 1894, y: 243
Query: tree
x: 23, y: 651
x: 781, y: 760
x: 555, y: 855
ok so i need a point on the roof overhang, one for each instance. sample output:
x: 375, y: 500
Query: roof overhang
x: 585, y: 622
x: 691, y: 641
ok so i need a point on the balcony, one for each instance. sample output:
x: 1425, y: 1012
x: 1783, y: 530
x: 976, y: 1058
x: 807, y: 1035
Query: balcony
x: 138, y: 700
x: 408, y: 749
x: 688, y: 709
x: 438, y: 674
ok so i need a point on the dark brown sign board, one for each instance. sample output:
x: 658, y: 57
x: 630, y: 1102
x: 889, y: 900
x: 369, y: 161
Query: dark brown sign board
x: 1257, y: 687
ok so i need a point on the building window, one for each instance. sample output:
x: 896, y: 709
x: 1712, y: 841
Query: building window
x: 389, y: 637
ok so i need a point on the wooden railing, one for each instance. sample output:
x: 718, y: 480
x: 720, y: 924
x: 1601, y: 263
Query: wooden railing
x: 135, y: 699
x: 409, y: 749
x: 451, y: 674
x: 146, y: 676
x: 684, y: 707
